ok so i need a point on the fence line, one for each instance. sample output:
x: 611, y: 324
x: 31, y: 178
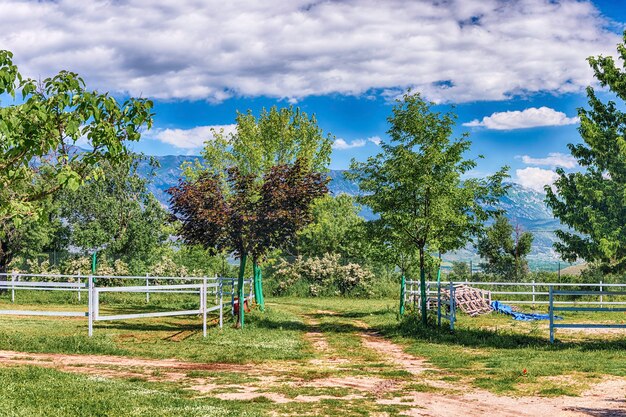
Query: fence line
x: 553, y: 307
x: 202, y: 286
x: 534, y: 293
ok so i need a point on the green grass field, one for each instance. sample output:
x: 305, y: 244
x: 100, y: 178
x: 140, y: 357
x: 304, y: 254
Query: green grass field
x: 299, y: 357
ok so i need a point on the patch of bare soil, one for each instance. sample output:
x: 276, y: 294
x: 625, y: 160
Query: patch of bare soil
x: 607, y: 399
x: 394, y: 354
x: 58, y: 360
x: 317, y: 339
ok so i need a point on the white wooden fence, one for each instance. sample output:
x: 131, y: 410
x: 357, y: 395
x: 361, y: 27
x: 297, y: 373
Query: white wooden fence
x: 534, y: 293
x: 204, y: 287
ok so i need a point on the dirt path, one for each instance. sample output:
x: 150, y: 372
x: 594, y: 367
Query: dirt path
x: 606, y: 399
x: 339, y: 381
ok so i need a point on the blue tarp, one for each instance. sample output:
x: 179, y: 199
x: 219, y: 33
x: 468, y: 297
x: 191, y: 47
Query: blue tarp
x: 507, y: 309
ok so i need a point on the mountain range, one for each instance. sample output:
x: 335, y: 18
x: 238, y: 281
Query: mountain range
x: 523, y: 206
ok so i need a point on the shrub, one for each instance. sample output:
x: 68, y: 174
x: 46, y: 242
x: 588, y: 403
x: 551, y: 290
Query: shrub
x: 323, y: 276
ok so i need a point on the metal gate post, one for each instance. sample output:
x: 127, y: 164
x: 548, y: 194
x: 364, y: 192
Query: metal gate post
x: 439, y: 304
x: 601, y: 297
x: 221, y: 290
x: 203, y: 300
x: 232, y: 297
x: 90, y: 308
x: 147, y: 289
x: 452, y: 306
x: 551, y: 311
x: 13, y: 287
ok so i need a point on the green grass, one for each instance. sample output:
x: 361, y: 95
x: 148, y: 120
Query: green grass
x: 31, y: 391
x: 273, y: 335
x: 489, y: 352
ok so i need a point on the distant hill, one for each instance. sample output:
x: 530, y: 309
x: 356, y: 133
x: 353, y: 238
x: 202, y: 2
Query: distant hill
x: 523, y: 206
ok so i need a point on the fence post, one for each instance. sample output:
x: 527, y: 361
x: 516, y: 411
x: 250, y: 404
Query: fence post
x: 216, y: 294
x: 203, y: 300
x: 79, y: 282
x: 533, y: 293
x: 551, y: 311
x: 90, y: 308
x: 452, y: 306
x: 402, y: 294
x: 439, y: 304
x: 601, y: 296
x: 232, y: 297
x: 147, y: 289
x: 221, y: 290
x: 13, y: 287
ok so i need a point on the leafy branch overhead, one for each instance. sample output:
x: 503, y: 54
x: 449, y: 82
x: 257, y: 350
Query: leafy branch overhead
x: 41, y: 132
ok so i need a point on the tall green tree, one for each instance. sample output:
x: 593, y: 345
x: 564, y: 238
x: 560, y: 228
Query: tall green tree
x: 593, y: 201
x: 416, y: 184
x: 39, y: 134
x: 505, y: 248
x: 277, y: 137
x: 336, y: 228
x: 32, y: 237
x: 116, y: 215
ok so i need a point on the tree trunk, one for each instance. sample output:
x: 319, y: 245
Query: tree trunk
x: 258, y: 285
x: 423, y: 288
x: 240, y: 292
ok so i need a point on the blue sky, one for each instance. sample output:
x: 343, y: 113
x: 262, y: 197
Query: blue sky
x: 514, y: 70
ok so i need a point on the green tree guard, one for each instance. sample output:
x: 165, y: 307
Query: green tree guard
x: 402, y: 292
x: 423, y: 295
x: 258, y: 286
x: 242, y: 271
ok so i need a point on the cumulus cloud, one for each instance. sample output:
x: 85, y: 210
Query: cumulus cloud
x: 375, y: 140
x: 535, y: 178
x: 189, y: 138
x: 341, y: 144
x: 454, y: 50
x: 554, y: 159
x: 531, y: 117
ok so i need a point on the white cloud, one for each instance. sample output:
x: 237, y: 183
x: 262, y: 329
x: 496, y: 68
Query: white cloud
x: 554, y: 159
x: 189, y: 138
x: 531, y: 117
x: 454, y: 50
x: 535, y: 178
x: 376, y: 140
x: 341, y: 144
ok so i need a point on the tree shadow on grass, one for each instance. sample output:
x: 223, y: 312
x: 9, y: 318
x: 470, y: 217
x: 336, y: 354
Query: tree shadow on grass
x: 411, y: 327
x: 280, y: 324
x: 353, y: 314
x: 598, y: 412
x: 142, y: 326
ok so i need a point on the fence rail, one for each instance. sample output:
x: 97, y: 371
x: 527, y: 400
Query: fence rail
x: 554, y: 308
x: 204, y: 287
x: 534, y: 293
